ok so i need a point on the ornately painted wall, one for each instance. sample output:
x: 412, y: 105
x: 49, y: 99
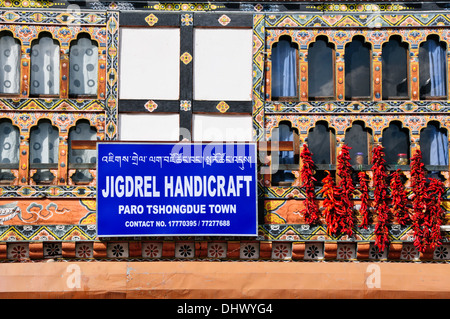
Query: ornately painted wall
x: 202, y: 71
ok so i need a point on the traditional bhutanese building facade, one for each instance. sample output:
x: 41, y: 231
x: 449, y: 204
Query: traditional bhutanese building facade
x: 318, y: 85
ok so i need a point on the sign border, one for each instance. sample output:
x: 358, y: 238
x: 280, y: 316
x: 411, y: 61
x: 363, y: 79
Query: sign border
x: 180, y: 143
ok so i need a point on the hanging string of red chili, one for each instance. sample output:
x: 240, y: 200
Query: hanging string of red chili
x: 380, y: 198
x: 418, y: 184
x: 311, y: 211
x: 329, y: 204
x: 399, y: 199
x: 427, y: 226
x: 427, y: 211
x: 345, y: 191
x: 364, y: 209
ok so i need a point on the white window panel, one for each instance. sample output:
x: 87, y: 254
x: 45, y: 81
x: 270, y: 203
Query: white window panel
x: 223, y: 64
x: 149, y: 127
x: 149, y: 63
x: 227, y: 128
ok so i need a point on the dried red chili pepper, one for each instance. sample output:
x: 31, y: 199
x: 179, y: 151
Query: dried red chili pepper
x: 418, y: 182
x: 399, y: 199
x: 345, y: 191
x: 364, y: 209
x: 338, y: 210
x: 380, y: 198
x: 427, y: 211
x: 329, y: 204
x: 311, y: 211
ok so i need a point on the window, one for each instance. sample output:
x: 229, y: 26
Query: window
x: 395, y: 69
x: 395, y: 140
x: 9, y: 152
x: 321, y: 69
x: 434, y: 144
x: 83, y: 72
x: 218, y: 74
x: 357, y: 69
x: 10, y: 64
x: 223, y: 127
x: 149, y: 127
x: 9, y: 141
x: 322, y: 144
x: 286, y: 160
x: 152, y: 51
x: 44, y: 66
x: 432, y: 69
x: 359, y: 139
x: 44, y: 143
x: 82, y: 160
x: 284, y: 69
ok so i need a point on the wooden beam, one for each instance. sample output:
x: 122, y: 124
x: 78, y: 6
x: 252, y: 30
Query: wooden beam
x: 276, y: 146
x: 262, y: 146
x: 84, y: 145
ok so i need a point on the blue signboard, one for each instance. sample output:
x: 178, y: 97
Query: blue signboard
x: 162, y: 189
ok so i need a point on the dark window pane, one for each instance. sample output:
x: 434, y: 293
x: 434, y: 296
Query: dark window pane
x: 356, y: 138
x: 284, y: 69
x: 284, y: 133
x: 9, y: 139
x: 395, y: 69
x: 357, y: 69
x: 44, y: 142
x: 432, y: 69
x: 10, y: 64
x: 395, y: 141
x: 82, y: 131
x: 320, y: 66
x: 319, y: 144
x: 434, y: 145
x: 83, y: 71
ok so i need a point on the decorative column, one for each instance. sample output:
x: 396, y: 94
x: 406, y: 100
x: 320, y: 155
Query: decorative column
x: 24, y: 150
x: 101, y: 93
x: 64, y: 64
x: 377, y: 66
x: 303, y: 74
x: 414, y: 73
x: 340, y: 74
x: 25, y: 71
x: 63, y: 158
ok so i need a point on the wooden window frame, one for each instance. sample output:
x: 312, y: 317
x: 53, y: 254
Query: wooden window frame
x: 333, y: 66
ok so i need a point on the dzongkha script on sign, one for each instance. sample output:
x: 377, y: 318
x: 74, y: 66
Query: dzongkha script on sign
x: 171, y: 189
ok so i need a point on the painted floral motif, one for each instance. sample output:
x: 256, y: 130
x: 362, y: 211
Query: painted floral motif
x: 259, y: 7
x: 409, y: 252
x: 18, y: 252
x: 346, y: 252
x: 187, y: 19
x: 313, y: 252
x: 216, y: 251
x: 376, y: 253
x: 441, y: 252
x: 222, y: 107
x: 118, y: 250
x: 281, y: 251
x: 248, y: 251
x: 84, y: 251
x: 185, y: 105
x: 224, y: 20
x: 151, y: 250
x: 186, y: 58
x: 151, y: 20
x: 52, y: 249
x: 151, y: 106
x: 185, y: 251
